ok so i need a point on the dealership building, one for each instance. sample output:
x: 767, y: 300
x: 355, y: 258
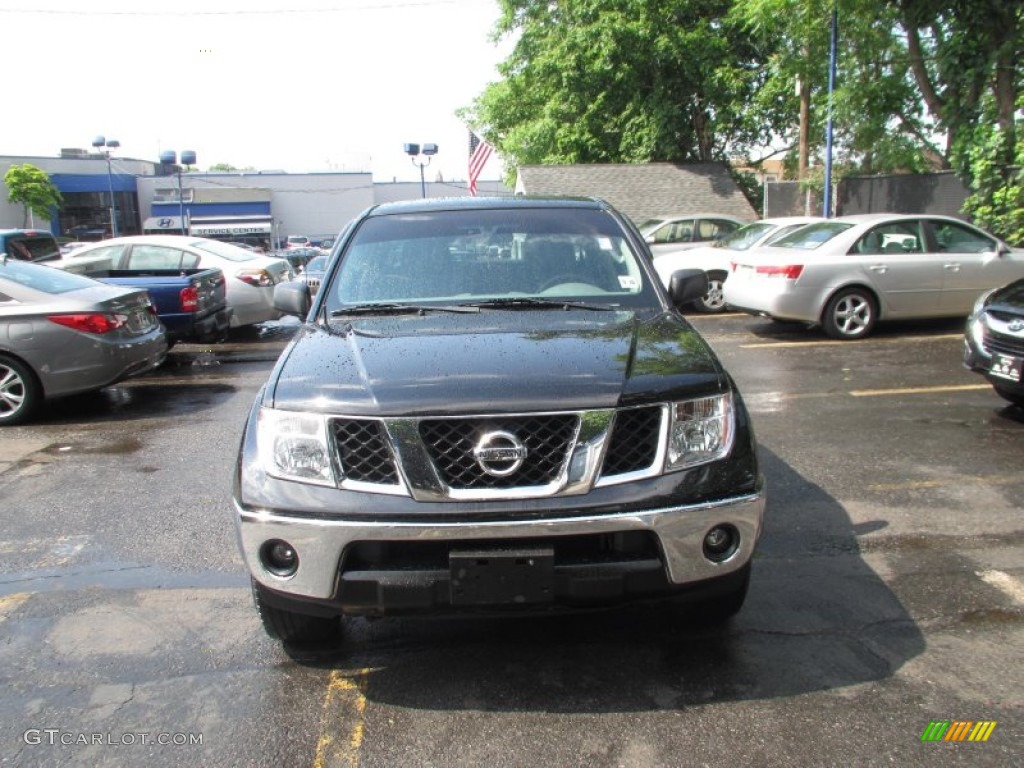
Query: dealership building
x: 259, y: 207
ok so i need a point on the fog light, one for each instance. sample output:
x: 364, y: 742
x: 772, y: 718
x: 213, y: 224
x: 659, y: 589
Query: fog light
x: 721, y: 543
x: 279, y: 557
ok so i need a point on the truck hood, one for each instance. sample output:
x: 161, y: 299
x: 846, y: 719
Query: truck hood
x: 494, y: 361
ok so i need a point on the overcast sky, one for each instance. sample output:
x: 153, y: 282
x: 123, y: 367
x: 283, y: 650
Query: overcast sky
x: 298, y: 85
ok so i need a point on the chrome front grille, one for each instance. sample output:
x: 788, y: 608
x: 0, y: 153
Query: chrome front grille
x: 490, y: 456
x: 1000, y: 341
x: 362, y: 451
x: 546, y: 440
x: 635, y: 438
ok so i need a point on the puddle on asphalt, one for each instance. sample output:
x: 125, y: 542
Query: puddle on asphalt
x: 120, y: 447
x: 136, y: 399
x: 112, y: 575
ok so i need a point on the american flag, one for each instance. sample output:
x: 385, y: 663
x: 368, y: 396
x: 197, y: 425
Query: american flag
x: 479, y: 151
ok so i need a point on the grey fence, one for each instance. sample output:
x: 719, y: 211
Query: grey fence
x: 939, y: 193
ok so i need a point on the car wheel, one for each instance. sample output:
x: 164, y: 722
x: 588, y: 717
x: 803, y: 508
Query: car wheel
x: 714, y: 299
x: 1012, y: 397
x: 294, y: 628
x: 725, y: 599
x: 20, y: 393
x: 850, y: 314
x: 723, y: 607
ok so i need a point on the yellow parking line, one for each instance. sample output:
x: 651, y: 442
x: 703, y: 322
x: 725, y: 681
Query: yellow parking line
x: 345, y: 700
x: 836, y: 342
x: 916, y: 485
x: 10, y: 603
x: 917, y: 390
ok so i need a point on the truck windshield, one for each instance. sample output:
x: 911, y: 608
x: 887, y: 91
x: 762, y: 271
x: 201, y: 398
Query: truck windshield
x: 468, y: 255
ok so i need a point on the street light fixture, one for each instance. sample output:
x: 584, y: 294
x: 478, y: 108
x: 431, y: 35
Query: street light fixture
x: 170, y: 157
x: 105, y: 146
x: 428, y: 151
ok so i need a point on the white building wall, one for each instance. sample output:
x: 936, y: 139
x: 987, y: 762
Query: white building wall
x: 313, y: 204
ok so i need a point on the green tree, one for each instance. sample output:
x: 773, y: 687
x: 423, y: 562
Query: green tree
x: 228, y: 167
x: 963, y: 56
x: 878, y: 118
x: 31, y: 187
x: 592, y: 81
x: 996, y: 201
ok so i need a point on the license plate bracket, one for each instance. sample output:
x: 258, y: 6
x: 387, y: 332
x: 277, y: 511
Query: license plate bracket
x: 508, y: 576
x: 1006, y: 367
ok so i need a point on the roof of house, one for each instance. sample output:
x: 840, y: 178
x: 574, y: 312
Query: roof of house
x: 643, y: 191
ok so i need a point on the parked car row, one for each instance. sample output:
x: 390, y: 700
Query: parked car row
x: 109, y: 310
x: 249, y: 276
x: 716, y: 258
x: 62, y: 333
x: 844, y: 275
x: 849, y: 273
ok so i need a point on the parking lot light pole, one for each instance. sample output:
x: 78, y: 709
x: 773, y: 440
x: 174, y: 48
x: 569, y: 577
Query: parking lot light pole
x: 188, y: 158
x: 428, y: 151
x: 106, y: 146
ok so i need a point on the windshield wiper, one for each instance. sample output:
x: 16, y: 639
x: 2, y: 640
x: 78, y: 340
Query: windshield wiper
x: 397, y: 308
x: 535, y: 303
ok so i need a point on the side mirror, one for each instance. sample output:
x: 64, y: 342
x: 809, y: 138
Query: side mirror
x: 649, y: 239
x: 687, y: 285
x: 292, y: 298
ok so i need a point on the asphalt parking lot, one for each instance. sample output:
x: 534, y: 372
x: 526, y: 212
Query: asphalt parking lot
x: 888, y: 592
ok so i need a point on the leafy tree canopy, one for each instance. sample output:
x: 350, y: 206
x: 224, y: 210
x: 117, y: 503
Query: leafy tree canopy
x: 594, y: 81
x: 228, y: 167
x: 32, y: 188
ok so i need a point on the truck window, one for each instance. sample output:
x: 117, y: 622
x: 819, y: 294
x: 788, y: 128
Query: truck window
x: 154, y: 257
x: 33, y: 247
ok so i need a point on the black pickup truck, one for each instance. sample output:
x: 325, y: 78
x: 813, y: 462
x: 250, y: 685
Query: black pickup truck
x: 493, y: 405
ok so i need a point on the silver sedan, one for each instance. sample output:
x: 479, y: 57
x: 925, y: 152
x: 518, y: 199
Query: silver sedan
x: 847, y: 274
x: 62, y: 333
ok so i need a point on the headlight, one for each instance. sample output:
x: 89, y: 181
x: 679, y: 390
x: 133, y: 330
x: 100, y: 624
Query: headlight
x: 979, y: 305
x: 700, y: 431
x: 294, y: 446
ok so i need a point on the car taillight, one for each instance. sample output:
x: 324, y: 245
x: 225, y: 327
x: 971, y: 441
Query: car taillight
x: 789, y: 271
x: 189, y: 298
x: 257, y: 277
x: 93, y: 322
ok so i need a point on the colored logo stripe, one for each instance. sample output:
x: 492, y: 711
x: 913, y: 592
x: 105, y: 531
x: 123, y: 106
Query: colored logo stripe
x: 958, y: 730
x: 982, y: 730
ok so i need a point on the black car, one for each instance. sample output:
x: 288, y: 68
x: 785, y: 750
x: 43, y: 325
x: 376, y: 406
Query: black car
x: 299, y: 257
x: 493, y: 405
x: 994, y: 342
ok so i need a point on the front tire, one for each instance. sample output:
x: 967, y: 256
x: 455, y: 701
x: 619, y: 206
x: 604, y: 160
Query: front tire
x: 850, y: 314
x: 1012, y: 397
x: 720, y: 609
x: 294, y: 628
x: 714, y: 300
x: 20, y: 393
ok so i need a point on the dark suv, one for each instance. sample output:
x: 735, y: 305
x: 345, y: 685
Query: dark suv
x: 29, y: 245
x: 994, y: 342
x: 493, y: 404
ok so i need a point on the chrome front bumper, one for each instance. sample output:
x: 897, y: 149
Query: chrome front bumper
x: 320, y: 543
